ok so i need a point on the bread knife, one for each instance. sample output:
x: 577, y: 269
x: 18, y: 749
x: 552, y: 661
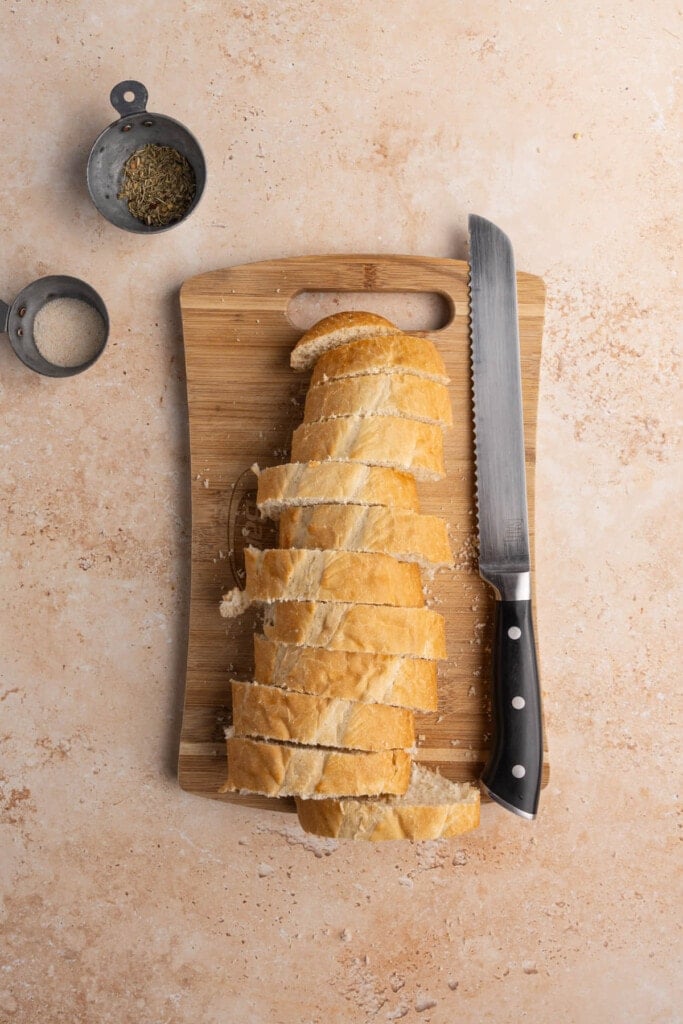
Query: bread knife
x: 512, y: 776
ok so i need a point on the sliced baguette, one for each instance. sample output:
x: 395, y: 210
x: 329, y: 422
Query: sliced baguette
x: 389, y: 353
x: 272, y: 713
x: 380, y: 394
x: 282, y: 769
x: 313, y: 483
x: 351, y: 675
x: 432, y: 808
x: 403, y: 444
x: 296, y: 574
x: 336, y: 330
x: 419, y: 632
x: 405, y: 535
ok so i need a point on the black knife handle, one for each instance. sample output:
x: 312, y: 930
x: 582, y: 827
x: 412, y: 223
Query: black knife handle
x: 512, y: 776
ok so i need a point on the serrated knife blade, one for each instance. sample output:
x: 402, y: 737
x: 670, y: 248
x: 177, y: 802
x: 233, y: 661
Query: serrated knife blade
x: 512, y: 776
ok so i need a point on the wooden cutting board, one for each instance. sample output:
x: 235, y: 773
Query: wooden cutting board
x: 244, y: 402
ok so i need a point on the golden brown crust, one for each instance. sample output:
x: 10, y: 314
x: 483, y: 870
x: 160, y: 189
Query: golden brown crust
x: 290, y: 574
x: 403, y: 444
x: 307, y: 483
x: 405, y: 535
x: 392, y: 353
x: 419, y: 632
x: 380, y: 394
x: 352, y: 675
x: 336, y: 330
x: 373, y: 821
x: 432, y: 807
x: 273, y: 713
x: 274, y: 769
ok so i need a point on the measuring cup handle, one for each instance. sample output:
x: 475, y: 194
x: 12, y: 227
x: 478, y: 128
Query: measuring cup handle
x: 122, y: 106
x: 4, y: 317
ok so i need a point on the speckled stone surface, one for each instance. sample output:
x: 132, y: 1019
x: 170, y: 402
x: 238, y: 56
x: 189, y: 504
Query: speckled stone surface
x: 352, y: 128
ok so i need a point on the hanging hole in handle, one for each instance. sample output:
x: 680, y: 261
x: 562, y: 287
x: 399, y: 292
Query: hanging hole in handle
x: 128, y: 97
x: 411, y: 311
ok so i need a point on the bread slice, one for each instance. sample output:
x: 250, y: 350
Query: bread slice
x: 296, y: 574
x: 405, y: 535
x: 282, y: 769
x: 336, y: 330
x: 380, y: 394
x: 313, y: 483
x: 432, y: 808
x: 388, y: 353
x: 271, y: 713
x: 376, y: 440
x: 419, y: 632
x: 351, y: 675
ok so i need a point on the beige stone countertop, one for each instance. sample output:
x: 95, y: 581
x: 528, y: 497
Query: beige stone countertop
x: 329, y: 127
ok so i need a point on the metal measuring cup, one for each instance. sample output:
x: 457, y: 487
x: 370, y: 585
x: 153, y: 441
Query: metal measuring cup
x: 16, y: 320
x: 134, y: 129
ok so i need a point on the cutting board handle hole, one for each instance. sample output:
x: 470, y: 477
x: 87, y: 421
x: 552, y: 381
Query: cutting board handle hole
x: 411, y: 311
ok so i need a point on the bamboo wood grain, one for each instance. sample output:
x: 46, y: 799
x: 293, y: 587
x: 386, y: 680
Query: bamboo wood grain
x: 244, y: 401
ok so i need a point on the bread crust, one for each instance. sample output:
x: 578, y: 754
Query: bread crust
x: 380, y: 394
x: 352, y: 675
x: 272, y: 713
x: 308, y: 483
x: 407, y: 536
x: 392, y: 353
x: 419, y: 632
x: 298, y: 574
x: 277, y: 769
x: 403, y: 444
x: 373, y: 821
x: 336, y: 330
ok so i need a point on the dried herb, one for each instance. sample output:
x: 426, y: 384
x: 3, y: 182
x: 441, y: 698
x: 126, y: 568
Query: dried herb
x: 159, y: 184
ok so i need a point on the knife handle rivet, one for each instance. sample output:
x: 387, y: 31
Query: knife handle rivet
x: 514, y: 632
x: 518, y: 703
x: 519, y: 771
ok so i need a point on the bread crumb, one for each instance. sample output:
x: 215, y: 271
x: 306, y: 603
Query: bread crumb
x: 460, y: 858
x: 234, y: 603
x: 264, y: 870
x: 424, y: 1003
x: 529, y: 967
x: 398, y: 1013
x: 396, y: 982
x: 576, y: 135
x: 453, y: 985
x: 206, y: 481
x: 346, y: 935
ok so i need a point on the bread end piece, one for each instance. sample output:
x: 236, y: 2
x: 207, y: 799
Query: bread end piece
x: 336, y: 330
x: 432, y: 808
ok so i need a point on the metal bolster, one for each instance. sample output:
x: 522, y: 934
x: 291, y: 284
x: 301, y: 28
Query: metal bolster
x: 510, y: 586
